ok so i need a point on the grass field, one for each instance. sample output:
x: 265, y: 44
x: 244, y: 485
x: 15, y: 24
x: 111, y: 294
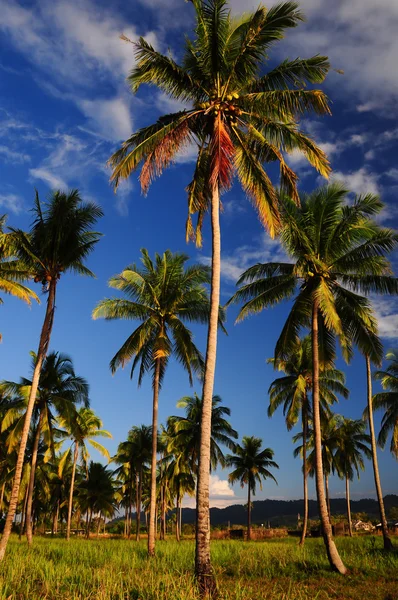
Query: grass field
x: 112, y: 569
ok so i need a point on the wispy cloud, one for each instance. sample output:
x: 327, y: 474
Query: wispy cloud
x: 11, y: 202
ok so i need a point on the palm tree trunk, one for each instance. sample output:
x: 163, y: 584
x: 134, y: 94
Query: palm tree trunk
x: 129, y: 510
x: 305, y: 473
x: 347, y: 495
x: 181, y: 518
x: 28, y: 518
x: 99, y: 524
x: 56, y: 518
x: 203, y: 570
x: 72, y: 485
x: 334, y: 558
x: 249, y: 514
x: 23, y: 516
x: 41, y: 353
x: 162, y: 512
x: 3, y: 487
x: 178, y: 518
x: 386, y: 538
x: 138, y: 504
x: 327, y: 496
x: 90, y: 516
x: 152, y: 507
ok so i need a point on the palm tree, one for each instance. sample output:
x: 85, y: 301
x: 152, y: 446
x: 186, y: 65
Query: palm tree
x: 184, y: 432
x: 352, y: 444
x: 250, y: 465
x: 388, y: 401
x: 59, y: 241
x: 135, y: 453
x: 12, y: 270
x: 82, y: 426
x: 163, y: 295
x: 59, y: 391
x: 181, y: 481
x: 239, y: 121
x: 97, y: 493
x: 337, y: 251
x: 291, y: 392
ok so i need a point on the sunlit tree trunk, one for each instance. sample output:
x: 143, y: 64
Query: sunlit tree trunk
x: 31, y: 485
x: 23, y: 515
x: 327, y: 496
x: 305, y: 473
x: 152, y: 507
x: 203, y: 570
x: 333, y: 555
x: 130, y: 509
x: 347, y: 495
x: 99, y: 524
x: 3, y: 487
x: 386, y: 538
x: 249, y: 515
x: 138, y: 503
x: 178, y: 517
x: 41, y: 354
x: 72, y: 485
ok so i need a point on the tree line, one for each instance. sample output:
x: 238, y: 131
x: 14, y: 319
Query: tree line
x: 241, y: 117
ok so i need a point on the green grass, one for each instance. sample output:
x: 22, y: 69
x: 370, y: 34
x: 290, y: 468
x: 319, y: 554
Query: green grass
x: 110, y: 569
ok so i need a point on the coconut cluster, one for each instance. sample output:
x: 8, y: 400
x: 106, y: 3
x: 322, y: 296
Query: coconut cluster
x: 225, y: 106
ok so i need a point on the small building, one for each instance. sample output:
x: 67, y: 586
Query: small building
x: 362, y: 526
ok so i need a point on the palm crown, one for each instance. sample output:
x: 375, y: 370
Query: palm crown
x: 337, y: 251
x: 251, y: 464
x: 163, y: 295
x: 388, y: 400
x: 237, y: 117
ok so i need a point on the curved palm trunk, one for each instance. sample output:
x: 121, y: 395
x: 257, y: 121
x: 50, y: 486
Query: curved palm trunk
x: 72, y: 485
x: 249, y: 515
x: 130, y: 509
x: 327, y: 495
x: 3, y: 487
x: 23, y: 516
x: 41, y: 354
x: 203, y: 570
x: 334, y: 558
x: 305, y: 474
x: 386, y: 538
x: 28, y: 516
x: 178, y: 518
x: 347, y: 495
x: 152, y: 507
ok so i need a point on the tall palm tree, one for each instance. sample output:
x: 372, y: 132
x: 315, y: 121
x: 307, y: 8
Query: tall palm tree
x: 251, y: 465
x: 352, y: 445
x: 59, y: 242
x: 337, y: 251
x: 82, y: 426
x: 135, y: 453
x: 292, y: 392
x: 184, y: 432
x: 163, y: 295
x: 59, y: 391
x: 12, y: 270
x: 240, y: 118
x: 388, y: 401
x: 181, y: 481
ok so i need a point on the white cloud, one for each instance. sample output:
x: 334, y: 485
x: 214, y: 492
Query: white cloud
x: 12, y: 156
x: 386, y: 311
x: 361, y: 181
x: 11, y: 202
x: 110, y: 118
x: 393, y: 173
x: 75, y: 48
x: 221, y: 494
x: 51, y: 179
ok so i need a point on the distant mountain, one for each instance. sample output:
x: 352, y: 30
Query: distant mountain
x: 285, y: 512
x: 279, y: 512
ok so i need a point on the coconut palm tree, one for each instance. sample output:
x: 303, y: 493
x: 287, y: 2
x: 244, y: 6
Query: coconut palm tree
x: 60, y: 240
x: 58, y: 393
x: 251, y: 465
x: 292, y: 392
x: 184, y: 432
x: 337, y: 251
x: 163, y: 295
x: 181, y: 481
x: 388, y: 401
x: 97, y: 493
x: 82, y: 427
x: 135, y: 454
x: 239, y: 118
x: 352, y: 445
x: 12, y: 270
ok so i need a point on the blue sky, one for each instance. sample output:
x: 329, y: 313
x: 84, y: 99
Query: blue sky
x: 65, y: 106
